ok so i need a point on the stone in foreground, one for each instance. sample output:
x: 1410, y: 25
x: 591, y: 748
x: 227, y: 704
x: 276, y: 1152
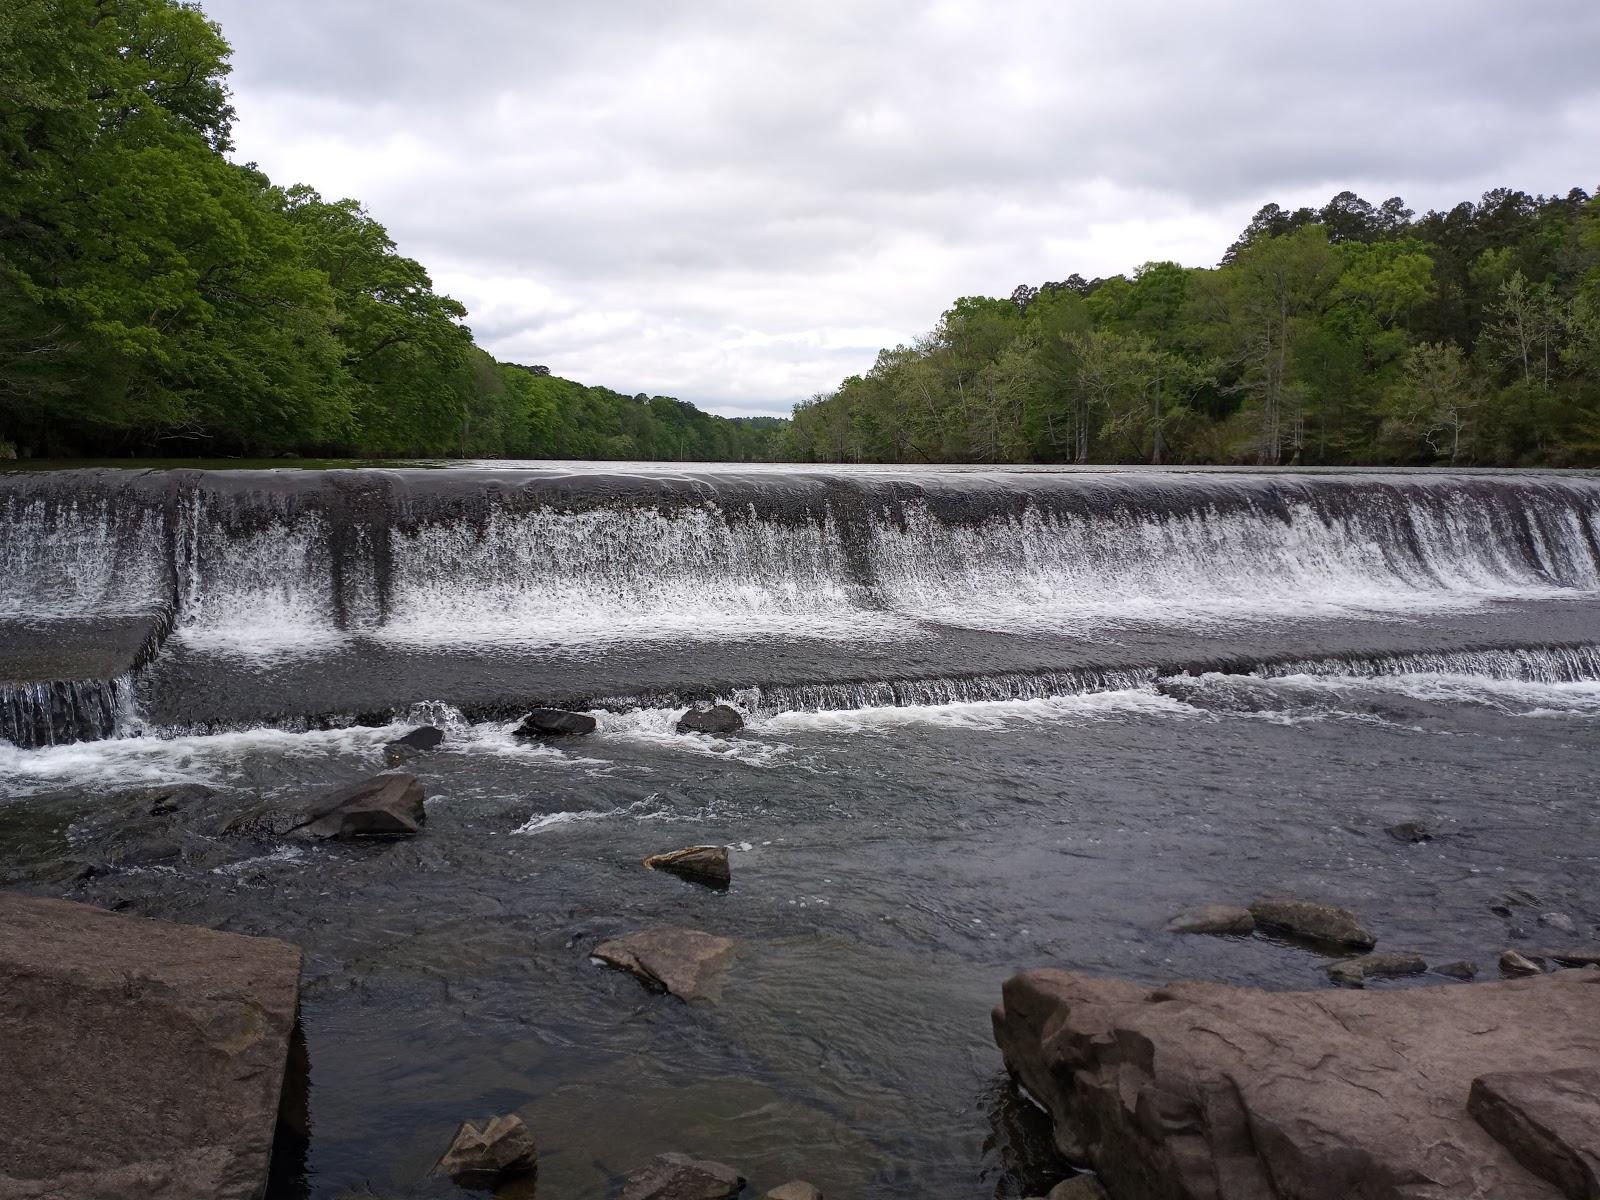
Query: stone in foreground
x: 679, y: 1177
x: 1225, y: 920
x: 383, y: 806
x: 482, y: 1158
x: 1550, y: 1122
x: 1514, y: 962
x: 1318, y: 922
x: 702, y: 864
x: 1460, y: 969
x: 685, y: 962
x: 1356, y: 971
x: 722, y: 718
x: 1200, y: 1090
x: 1079, y: 1187
x: 555, y: 722
x: 138, y: 1058
x: 796, y: 1189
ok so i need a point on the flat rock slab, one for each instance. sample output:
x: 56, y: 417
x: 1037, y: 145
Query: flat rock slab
x: 679, y: 1177
x: 383, y: 806
x: 139, y: 1058
x: 1550, y: 1122
x: 1200, y: 1090
x: 685, y: 962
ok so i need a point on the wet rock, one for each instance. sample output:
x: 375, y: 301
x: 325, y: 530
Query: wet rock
x: 702, y: 864
x: 1079, y: 1187
x: 384, y: 806
x: 170, y: 800
x: 717, y: 720
x: 1227, y: 920
x: 795, y: 1190
x: 482, y: 1158
x: 685, y: 962
x: 140, y: 1058
x: 1204, y: 1090
x: 415, y: 744
x: 1410, y: 832
x: 1580, y: 956
x: 1549, y: 1121
x: 146, y: 853
x: 555, y: 722
x: 1559, y: 922
x: 679, y: 1177
x: 1319, y: 922
x: 1513, y: 962
x: 1459, y: 969
x: 1355, y: 971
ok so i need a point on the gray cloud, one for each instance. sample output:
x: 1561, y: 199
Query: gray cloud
x: 738, y: 204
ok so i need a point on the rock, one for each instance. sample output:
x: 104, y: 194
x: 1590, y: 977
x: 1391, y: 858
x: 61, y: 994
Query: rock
x: 1355, y: 971
x: 1558, y: 921
x: 685, y: 962
x: 383, y: 806
x: 703, y: 864
x: 1410, y: 832
x: 1459, y: 969
x: 1079, y: 1187
x: 164, y: 803
x: 1514, y: 963
x: 423, y: 737
x: 1584, y: 956
x: 1549, y: 1121
x: 1223, y: 919
x: 1319, y: 922
x: 720, y: 719
x: 1204, y: 1090
x: 554, y: 722
x: 140, y: 1058
x: 482, y: 1158
x: 796, y: 1190
x: 679, y: 1177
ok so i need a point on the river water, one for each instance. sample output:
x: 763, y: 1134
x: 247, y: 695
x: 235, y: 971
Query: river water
x: 996, y: 720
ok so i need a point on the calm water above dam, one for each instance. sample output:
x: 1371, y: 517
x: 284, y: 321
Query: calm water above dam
x: 996, y: 720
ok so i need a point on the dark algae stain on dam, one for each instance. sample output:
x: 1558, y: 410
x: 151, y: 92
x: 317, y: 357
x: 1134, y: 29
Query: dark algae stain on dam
x: 993, y: 721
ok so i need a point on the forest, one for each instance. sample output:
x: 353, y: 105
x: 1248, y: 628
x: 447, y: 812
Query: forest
x: 158, y: 298
x: 1348, y: 334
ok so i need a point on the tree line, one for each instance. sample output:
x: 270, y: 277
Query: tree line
x: 1349, y: 334
x: 157, y: 297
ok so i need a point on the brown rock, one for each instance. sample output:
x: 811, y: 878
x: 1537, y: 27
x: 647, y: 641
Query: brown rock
x: 1221, y: 919
x: 1582, y: 956
x: 702, y: 864
x: 1514, y: 963
x: 1202, y: 1090
x: 685, y: 962
x: 679, y: 1177
x: 1550, y: 1121
x: 1460, y: 969
x: 481, y: 1158
x: 383, y: 806
x: 1319, y: 922
x: 722, y: 718
x: 796, y: 1190
x: 1355, y: 971
x: 1079, y: 1187
x: 139, y: 1058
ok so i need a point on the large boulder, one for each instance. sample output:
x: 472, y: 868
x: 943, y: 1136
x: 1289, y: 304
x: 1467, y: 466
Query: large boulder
x: 1314, y: 922
x: 483, y: 1158
x: 679, y: 1177
x: 1549, y: 1121
x: 555, y: 722
x: 1200, y: 1090
x: 139, y: 1058
x: 383, y: 806
x: 685, y: 962
x: 719, y: 719
x: 702, y: 864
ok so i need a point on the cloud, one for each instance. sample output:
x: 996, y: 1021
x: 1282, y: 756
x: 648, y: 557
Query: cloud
x: 739, y: 204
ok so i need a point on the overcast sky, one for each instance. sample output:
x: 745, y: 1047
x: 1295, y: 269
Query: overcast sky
x: 737, y: 202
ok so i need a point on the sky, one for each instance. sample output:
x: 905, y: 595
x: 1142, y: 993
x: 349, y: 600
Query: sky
x: 738, y: 203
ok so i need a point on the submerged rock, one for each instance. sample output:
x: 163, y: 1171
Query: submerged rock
x: 1227, y: 920
x: 1204, y: 1090
x: 679, y: 1177
x: 1513, y: 962
x: 1355, y: 971
x: 1582, y: 956
x: 1410, y: 832
x: 702, y: 864
x: 1079, y: 1187
x: 140, y: 1058
x: 482, y: 1158
x: 1549, y: 1121
x: 1319, y: 922
x: 1459, y: 969
x: 384, y: 806
x: 685, y: 962
x: 555, y: 722
x: 170, y: 800
x: 722, y: 718
x: 1559, y: 922
x: 796, y: 1189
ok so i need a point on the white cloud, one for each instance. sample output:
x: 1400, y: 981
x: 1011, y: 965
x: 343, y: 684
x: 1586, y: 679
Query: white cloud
x: 739, y: 204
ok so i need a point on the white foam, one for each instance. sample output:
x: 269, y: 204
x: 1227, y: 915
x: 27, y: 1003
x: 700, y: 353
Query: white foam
x: 980, y: 714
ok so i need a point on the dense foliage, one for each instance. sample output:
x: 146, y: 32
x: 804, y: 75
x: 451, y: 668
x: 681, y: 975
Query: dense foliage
x: 156, y: 296
x: 1353, y: 333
